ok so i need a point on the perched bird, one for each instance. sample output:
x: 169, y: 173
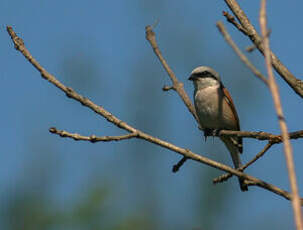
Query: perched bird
x: 216, y: 111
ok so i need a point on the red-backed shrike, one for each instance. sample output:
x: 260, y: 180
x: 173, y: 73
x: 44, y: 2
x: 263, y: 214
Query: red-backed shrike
x: 216, y: 110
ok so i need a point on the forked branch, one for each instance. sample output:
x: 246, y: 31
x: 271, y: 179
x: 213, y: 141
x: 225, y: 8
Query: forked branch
x: 250, y: 31
x: 19, y: 45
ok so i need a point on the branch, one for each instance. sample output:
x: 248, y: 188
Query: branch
x: 291, y: 80
x: 167, y: 88
x: 233, y: 21
x: 251, y: 48
x: 243, y: 58
x: 260, y: 135
x: 177, y: 85
x: 92, y: 138
x: 19, y: 45
x: 274, y: 139
x: 177, y: 166
x: 277, y: 102
x: 226, y: 176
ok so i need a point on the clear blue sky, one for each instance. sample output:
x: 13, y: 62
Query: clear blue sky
x: 99, y: 49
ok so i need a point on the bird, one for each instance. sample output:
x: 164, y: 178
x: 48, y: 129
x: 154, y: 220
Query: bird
x: 216, y: 111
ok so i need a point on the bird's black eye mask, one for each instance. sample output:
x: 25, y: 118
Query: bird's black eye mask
x: 204, y: 74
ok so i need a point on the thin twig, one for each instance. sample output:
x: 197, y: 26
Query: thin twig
x: 167, y: 88
x: 259, y: 155
x: 226, y: 176
x: 92, y: 138
x: 295, y: 83
x: 123, y: 125
x: 177, y: 166
x: 243, y: 58
x: 177, y: 85
x: 250, y: 48
x: 260, y: 135
x: 233, y: 21
x: 277, y: 102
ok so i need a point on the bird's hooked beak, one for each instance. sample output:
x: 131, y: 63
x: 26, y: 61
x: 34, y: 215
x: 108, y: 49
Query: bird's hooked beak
x: 191, y: 77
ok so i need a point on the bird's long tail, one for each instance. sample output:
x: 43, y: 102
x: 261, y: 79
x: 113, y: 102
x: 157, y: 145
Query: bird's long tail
x: 235, y: 155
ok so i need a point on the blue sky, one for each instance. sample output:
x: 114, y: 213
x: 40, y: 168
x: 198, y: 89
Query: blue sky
x: 99, y: 49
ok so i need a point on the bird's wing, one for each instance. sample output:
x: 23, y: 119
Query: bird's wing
x: 228, y: 99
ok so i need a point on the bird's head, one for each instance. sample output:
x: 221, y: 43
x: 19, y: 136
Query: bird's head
x: 204, y: 76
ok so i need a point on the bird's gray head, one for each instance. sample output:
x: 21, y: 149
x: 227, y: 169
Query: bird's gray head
x: 204, y: 76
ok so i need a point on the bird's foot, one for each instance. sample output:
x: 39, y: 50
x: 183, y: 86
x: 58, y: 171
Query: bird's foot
x: 210, y: 132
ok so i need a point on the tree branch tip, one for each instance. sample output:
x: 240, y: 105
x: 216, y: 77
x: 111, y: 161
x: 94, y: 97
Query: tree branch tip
x: 148, y: 28
x: 52, y: 130
x: 177, y: 166
x: 10, y: 31
x: 149, y: 33
x: 18, y: 42
x: 230, y: 18
x: 9, y: 28
x: 227, y: 15
x: 219, y: 24
x: 222, y: 178
x: 167, y: 88
x: 155, y: 23
x: 251, y: 48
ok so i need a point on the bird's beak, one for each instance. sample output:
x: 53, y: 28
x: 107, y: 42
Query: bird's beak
x: 191, y: 78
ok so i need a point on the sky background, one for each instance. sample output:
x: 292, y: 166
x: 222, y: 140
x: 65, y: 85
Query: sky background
x: 99, y: 49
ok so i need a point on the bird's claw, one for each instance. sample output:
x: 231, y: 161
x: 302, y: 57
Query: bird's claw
x: 211, y: 132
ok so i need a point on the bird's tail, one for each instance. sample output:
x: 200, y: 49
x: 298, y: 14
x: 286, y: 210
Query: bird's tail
x: 235, y: 155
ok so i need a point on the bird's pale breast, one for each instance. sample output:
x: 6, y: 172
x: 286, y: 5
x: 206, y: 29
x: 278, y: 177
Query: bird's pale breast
x: 213, y: 110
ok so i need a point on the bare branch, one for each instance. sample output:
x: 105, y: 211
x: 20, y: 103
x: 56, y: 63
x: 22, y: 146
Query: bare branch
x: 233, y: 21
x: 260, y: 135
x: 243, y: 58
x: 123, y: 125
x: 250, y: 48
x: 259, y: 155
x: 177, y: 166
x: 277, y: 102
x: 92, y: 138
x: 177, y: 85
x: 226, y: 176
x: 167, y: 88
x: 291, y: 80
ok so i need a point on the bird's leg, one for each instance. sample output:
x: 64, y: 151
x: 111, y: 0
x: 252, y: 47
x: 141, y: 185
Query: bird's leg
x: 208, y: 132
x: 215, y: 132
x: 211, y: 132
